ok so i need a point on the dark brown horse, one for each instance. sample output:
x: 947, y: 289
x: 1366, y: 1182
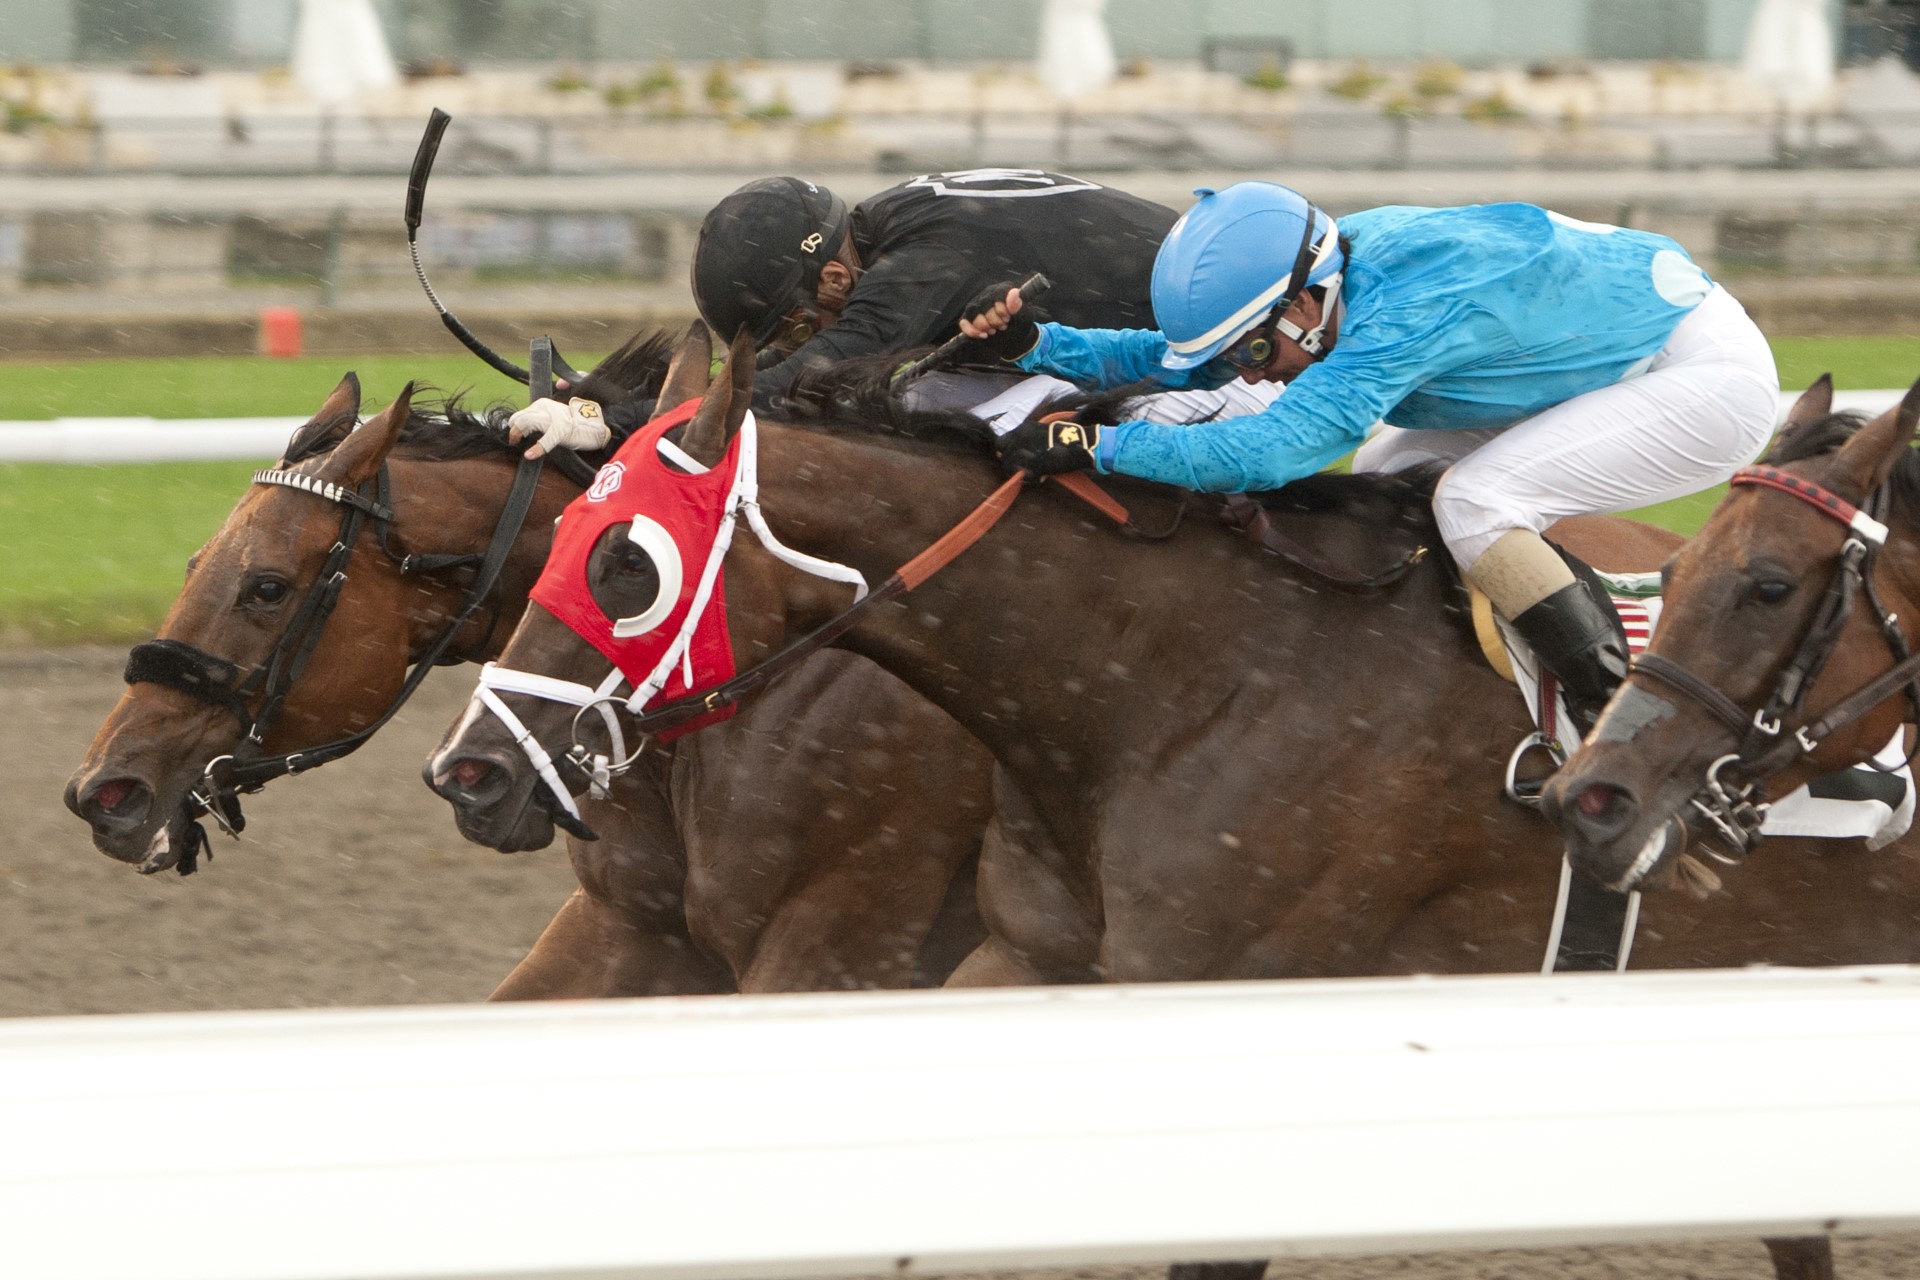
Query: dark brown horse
x: 1224, y: 770
x: 843, y: 875
x: 1772, y: 584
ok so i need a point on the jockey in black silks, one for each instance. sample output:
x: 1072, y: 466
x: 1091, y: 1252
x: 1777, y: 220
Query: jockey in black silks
x: 815, y: 282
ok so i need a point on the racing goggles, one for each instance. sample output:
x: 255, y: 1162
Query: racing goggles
x: 1256, y: 348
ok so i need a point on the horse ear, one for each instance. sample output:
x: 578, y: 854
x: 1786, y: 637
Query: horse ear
x: 358, y: 458
x: 1815, y: 404
x: 329, y: 426
x: 726, y: 405
x: 1867, y: 459
x: 691, y: 370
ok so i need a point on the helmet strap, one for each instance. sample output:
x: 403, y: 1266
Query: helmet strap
x: 1314, y: 341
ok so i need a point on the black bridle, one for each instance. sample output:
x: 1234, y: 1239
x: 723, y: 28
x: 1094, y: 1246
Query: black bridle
x: 1727, y: 801
x: 257, y: 700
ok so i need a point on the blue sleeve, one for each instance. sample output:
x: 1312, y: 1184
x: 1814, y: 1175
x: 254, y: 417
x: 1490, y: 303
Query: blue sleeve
x: 1322, y: 414
x: 1100, y: 358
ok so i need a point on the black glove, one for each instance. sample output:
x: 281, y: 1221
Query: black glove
x: 1045, y: 448
x: 1020, y: 336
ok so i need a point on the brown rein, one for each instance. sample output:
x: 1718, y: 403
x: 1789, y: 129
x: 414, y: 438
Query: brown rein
x: 944, y: 551
x: 948, y: 547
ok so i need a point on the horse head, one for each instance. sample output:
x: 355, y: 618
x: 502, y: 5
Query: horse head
x: 634, y: 574
x: 273, y: 615
x: 1773, y: 616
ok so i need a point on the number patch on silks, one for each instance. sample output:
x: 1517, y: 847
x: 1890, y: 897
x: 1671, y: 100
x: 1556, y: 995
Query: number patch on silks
x: 1002, y: 183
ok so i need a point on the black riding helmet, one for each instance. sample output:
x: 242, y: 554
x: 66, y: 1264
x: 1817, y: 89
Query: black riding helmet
x: 760, y: 252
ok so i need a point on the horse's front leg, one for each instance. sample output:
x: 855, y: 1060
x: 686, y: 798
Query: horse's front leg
x: 590, y: 951
x: 1037, y: 903
x: 1801, y: 1257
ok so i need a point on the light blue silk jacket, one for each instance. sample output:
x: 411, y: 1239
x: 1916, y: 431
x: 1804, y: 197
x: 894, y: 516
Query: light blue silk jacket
x: 1471, y: 317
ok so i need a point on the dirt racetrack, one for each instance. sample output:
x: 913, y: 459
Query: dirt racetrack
x: 352, y: 887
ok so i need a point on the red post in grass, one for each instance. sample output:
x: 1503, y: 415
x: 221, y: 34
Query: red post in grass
x: 279, y: 331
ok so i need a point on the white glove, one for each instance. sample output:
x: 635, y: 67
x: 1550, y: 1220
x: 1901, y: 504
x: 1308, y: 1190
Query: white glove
x: 577, y: 424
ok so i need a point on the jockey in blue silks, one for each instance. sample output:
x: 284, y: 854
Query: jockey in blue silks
x: 1556, y: 367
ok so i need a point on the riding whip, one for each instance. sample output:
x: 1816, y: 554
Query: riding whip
x: 1032, y: 289
x: 416, y: 197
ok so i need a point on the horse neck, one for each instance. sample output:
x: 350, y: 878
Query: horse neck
x: 452, y: 507
x: 1055, y: 637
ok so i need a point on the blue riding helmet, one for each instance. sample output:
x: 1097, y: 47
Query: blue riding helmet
x: 1235, y: 259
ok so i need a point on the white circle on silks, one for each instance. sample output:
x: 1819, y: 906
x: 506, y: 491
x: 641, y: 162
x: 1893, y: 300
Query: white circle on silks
x: 340, y: 51
x: 1790, y: 52
x: 1076, y: 54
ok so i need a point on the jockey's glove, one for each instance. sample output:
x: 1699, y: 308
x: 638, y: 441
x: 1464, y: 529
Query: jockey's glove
x: 1022, y: 333
x: 578, y: 424
x: 1043, y: 448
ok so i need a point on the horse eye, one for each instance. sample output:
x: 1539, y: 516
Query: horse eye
x: 266, y: 591
x: 1770, y: 591
x: 634, y: 560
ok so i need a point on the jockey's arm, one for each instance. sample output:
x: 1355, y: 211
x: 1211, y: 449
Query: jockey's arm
x: 1325, y: 412
x: 1101, y: 358
x: 1320, y: 417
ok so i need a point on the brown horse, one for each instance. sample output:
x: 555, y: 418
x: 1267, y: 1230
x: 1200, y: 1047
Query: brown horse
x: 688, y: 890
x: 1777, y: 582
x: 1224, y: 770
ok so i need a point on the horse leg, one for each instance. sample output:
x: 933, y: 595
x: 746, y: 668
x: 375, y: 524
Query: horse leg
x: 957, y: 930
x: 1252, y: 1269
x: 1038, y: 911
x: 1801, y: 1257
x: 589, y: 951
x: 994, y: 963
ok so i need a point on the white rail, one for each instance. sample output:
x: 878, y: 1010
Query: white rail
x: 834, y: 1134
x: 144, y: 439
x: 177, y: 439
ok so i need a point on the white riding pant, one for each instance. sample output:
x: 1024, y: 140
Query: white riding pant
x: 1704, y: 408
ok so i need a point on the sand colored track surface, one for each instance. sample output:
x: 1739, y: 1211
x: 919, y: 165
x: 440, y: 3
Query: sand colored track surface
x: 352, y: 887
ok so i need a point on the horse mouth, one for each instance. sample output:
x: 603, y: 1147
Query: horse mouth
x: 494, y: 804
x: 1614, y: 837
x: 163, y: 851
x: 1662, y: 846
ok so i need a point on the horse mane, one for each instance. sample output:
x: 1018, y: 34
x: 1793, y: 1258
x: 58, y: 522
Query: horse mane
x: 857, y: 396
x: 445, y: 430
x: 1810, y: 440
x: 1825, y: 435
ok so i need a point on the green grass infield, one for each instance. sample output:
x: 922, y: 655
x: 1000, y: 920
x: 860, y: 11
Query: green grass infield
x: 96, y: 553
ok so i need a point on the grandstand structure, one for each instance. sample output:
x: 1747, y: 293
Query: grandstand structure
x: 229, y: 32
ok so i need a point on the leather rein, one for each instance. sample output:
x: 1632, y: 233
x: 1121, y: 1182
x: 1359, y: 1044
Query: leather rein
x: 969, y: 530
x: 1727, y: 800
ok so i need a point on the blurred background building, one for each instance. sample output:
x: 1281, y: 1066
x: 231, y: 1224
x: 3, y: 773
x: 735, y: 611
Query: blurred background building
x: 1479, y: 32
x: 165, y: 157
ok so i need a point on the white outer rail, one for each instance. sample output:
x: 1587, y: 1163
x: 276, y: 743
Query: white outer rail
x: 181, y: 439
x: 831, y: 1134
x: 144, y: 439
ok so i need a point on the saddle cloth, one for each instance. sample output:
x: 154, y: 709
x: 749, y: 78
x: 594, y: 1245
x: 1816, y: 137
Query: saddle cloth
x: 1861, y: 803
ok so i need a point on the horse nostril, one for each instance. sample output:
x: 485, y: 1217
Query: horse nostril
x: 118, y: 804
x: 470, y: 773
x: 1597, y: 799
x: 472, y: 782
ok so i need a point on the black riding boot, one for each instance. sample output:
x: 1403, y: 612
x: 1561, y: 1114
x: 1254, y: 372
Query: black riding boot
x: 1581, y: 643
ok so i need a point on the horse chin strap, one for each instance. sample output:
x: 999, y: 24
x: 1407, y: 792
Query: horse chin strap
x: 1727, y: 799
